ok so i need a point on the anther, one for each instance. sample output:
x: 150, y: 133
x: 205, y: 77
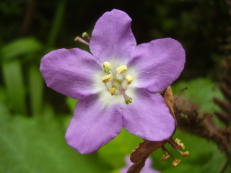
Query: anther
x: 184, y: 153
x: 106, y: 67
x: 112, y: 91
x: 181, y: 144
x: 177, y: 144
x: 129, y: 79
x: 165, y: 156
x: 176, y: 162
x: 85, y: 35
x: 177, y: 140
x: 107, y: 78
x: 121, y: 69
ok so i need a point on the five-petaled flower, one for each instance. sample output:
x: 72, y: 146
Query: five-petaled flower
x: 146, y: 169
x: 118, y: 84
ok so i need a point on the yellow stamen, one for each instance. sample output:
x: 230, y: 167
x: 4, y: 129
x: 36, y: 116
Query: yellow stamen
x: 129, y: 79
x: 107, y: 78
x: 181, y: 144
x: 185, y: 153
x: 106, y: 67
x: 84, y: 34
x: 112, y: 91
x: 165, y: 156
x: 177, y: 140
x: 176, y: 162
x: 121, y: 69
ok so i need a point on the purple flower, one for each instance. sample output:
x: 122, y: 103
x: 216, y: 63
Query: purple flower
x: 146, y: 169
x: 117, y: 84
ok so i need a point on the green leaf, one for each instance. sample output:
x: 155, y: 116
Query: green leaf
x: 36, y: 90
x: 71, y: 103
x: 13, y: 78
x: 35, y: 145
x: 115, y: 151
x: 3, y: 106
x: 20, y: 47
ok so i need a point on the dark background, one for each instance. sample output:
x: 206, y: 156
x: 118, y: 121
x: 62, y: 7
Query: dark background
x: 201, y: 25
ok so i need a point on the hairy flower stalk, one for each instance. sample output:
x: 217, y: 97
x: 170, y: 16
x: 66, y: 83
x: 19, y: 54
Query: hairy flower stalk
x: 117, y: 83
x: 203, y: 124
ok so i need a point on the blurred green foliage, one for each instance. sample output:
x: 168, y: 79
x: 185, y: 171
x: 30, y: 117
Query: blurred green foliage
x: 20, y: 47
x: 33, y: 118
x: 30, y: 145
x: 17, y: 80
x: 201, y: 91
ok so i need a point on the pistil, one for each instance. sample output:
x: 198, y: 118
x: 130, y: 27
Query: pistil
x: 112, y: 91
x: 127, y: 99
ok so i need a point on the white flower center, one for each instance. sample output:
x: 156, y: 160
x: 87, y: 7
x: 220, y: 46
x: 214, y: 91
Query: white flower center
x: 117, y: 80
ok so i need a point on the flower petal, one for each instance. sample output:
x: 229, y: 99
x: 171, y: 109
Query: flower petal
x: 92, y: 125
x: 159, y: 63
x: 112, y: 36
x: 148, y: 117
x: 69, y: 71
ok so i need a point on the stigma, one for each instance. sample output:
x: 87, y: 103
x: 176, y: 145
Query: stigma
x: 117, y: 80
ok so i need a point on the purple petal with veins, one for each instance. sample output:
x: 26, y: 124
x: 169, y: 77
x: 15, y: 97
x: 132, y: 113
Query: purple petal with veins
x: 117, y: 85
